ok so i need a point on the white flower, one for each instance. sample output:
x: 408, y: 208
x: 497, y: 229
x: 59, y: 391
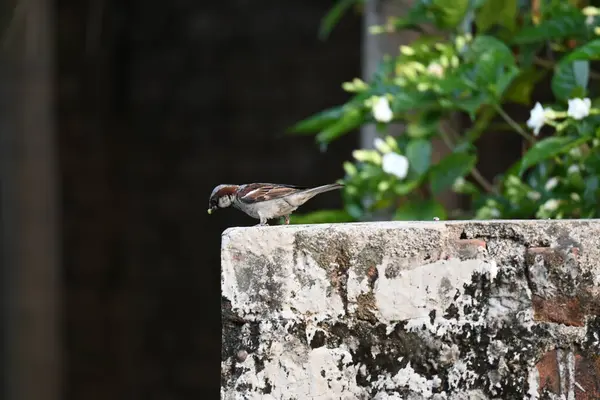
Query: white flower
x: 573, y: 169
x: 395, y: 164
x: 408, y: 51
x: 459, y: 184
x: 579, y: 108
x: 591, y: 11
x: 494, y: 212
x: 589, y: 20
x: 381, y: 145
x: 537, y: 118
x: 533, y: 195
x: 512, y: 192
x: 551, y: 205
x: 513, y: 181
x: 363, y: 155
x: 435, y: 69
x: 383, y: 186
x: 381, y: 110
x: 575, y: 152
x: 551, y: 183
x: 575, y: 196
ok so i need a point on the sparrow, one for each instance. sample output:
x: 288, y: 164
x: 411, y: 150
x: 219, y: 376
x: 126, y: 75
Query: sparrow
x: 265, y: 201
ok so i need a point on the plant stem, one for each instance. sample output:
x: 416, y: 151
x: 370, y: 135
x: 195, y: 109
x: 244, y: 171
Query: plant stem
x: 485, y: 184
x: 514, y: 124
x: 446, y: 139
x: 482, y: 181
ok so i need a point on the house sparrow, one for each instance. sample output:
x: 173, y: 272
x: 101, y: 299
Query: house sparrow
x: 265, y: 201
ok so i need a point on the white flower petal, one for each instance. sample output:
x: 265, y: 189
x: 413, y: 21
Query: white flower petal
x: 551, y: 183
x: 575, y: 152
x: 575, y: 197
x: 435, y: 69
x: 537, y: 118
x: 381, y: 110
x: 395, y: 164
x: 590, y: 11
x: 381, y: 145
x: 589, y: 20
x: 459, y: 183
x: 533, y: 195
x: 579, y: 108
x: 551, y: 205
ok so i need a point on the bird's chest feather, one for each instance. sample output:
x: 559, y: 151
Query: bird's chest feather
x: 269, y: 209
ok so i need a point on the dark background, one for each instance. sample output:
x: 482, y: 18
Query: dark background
x: 153, y: 104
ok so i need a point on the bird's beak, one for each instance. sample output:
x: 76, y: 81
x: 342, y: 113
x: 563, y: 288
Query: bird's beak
x: 210, y: 211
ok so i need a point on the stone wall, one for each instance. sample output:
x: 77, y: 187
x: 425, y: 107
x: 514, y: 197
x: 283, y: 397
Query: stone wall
x: 433, y: 310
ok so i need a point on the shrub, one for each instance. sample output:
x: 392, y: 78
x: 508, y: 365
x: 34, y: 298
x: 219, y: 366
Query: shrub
x: 486, y: 54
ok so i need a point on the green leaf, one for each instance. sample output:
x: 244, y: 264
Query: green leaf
x: 418, y: 14
x: 449, y: 13
x: 480, y: 126
x: 472, y: 103
x: 522, y: 86
x: 354, y: 210
x: 589, y: 51
x: 334, y: 15
x: 557, y: 28
x: 404, y: 101
x: 318, y: 121
x: 403, y: 188
x: 422, y: 210
x: 418, y: 153
x: 570, y: 80
x: 493, y: 64
x: 581, y: 70
x: 548, y: 148
x: 505, y: 80
x: 456, y: 165
x: 590, y: 194
x: 494, y: 12
x: 322, y: 217
x: 484, y: 44
x: 351, y: 120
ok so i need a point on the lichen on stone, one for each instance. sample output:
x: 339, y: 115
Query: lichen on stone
x: 463, y: 310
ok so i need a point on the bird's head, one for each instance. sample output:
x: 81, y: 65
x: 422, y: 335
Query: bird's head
x: 221, y: 197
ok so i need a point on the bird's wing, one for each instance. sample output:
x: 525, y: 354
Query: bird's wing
x: 255, y: 192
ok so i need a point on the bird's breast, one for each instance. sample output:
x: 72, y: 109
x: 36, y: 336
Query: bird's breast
x: 268, y: 209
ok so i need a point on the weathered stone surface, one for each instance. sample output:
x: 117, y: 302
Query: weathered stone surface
x: 394, y: 310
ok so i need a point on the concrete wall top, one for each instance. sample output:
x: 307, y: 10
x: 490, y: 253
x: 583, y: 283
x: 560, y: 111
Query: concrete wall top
x: 417, y: 310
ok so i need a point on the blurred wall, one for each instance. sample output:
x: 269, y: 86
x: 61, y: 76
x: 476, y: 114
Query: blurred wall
x: 158, y: 102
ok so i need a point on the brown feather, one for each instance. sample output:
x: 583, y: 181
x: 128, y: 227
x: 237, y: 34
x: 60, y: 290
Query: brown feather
x: 254, y: 192
x: 225, y: 190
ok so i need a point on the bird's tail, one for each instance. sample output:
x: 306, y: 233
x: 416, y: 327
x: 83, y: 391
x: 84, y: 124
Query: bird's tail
x: 303, y: 196
x: 322, y: 189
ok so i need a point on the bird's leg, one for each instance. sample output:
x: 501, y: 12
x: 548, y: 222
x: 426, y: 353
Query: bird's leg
x: 286, y: 219
x: 263, y: 221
